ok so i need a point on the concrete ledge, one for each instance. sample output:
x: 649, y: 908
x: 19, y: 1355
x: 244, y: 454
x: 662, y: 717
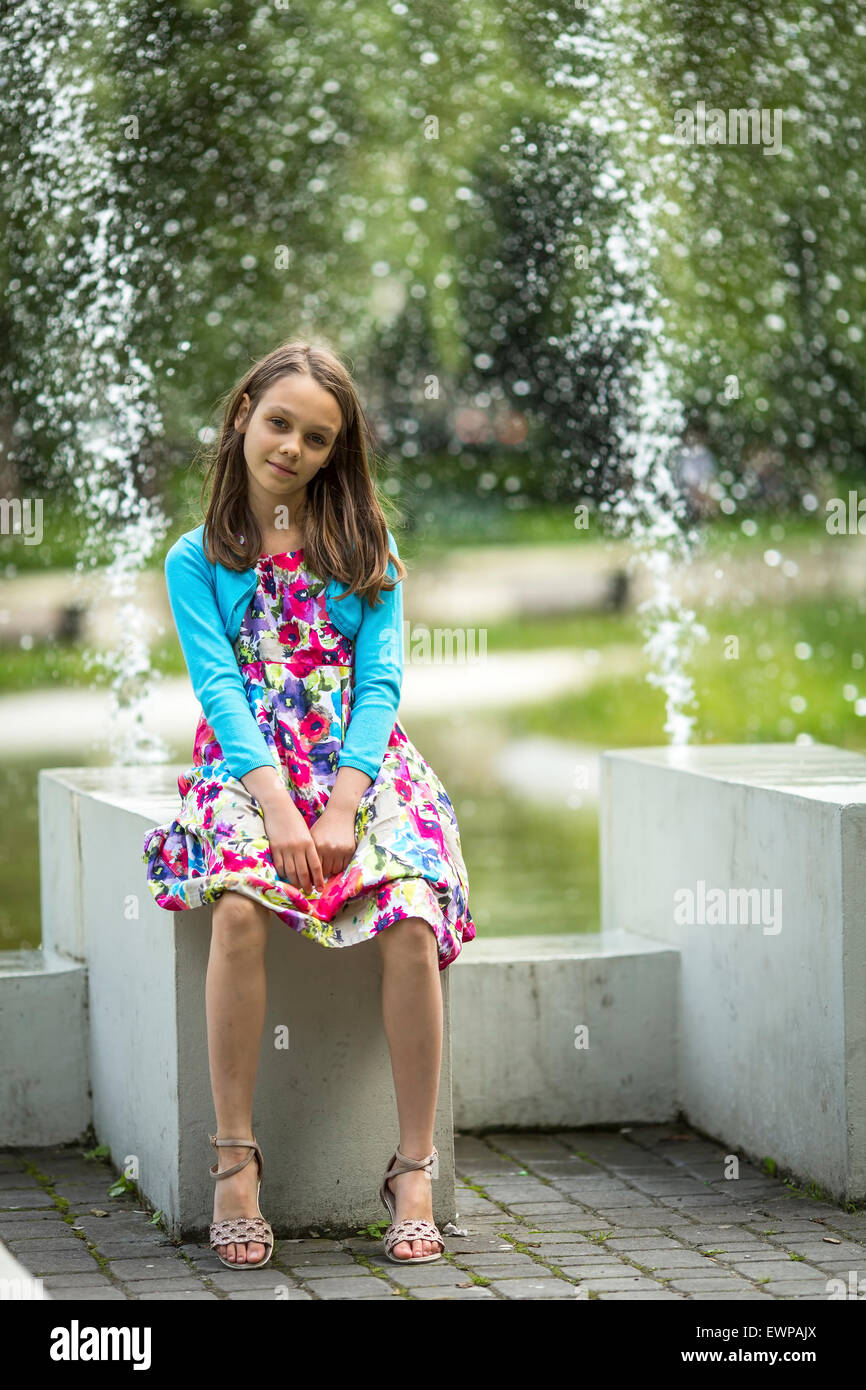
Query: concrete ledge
x: 522, y: 1059
x: 44, y: 1095
x: 772, y: 1002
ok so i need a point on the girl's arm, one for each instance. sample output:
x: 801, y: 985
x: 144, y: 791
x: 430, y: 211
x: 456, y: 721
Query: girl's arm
x: 212, y: 664
x: 378, y: 682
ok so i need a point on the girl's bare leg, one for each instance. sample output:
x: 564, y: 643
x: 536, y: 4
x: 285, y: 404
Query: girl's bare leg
x: 236, y: 998
x: 412, y: 1016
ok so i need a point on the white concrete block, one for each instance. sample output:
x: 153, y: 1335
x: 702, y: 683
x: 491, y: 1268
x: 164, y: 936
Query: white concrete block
x: 43, y: 1041
x: 772, y: 1002
x: 564, y: 1031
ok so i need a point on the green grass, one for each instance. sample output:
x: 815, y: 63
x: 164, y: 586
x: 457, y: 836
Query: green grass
x: 739, y: 701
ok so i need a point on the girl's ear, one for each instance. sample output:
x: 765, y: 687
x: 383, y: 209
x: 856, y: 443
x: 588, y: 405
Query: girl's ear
x: 241, y: 417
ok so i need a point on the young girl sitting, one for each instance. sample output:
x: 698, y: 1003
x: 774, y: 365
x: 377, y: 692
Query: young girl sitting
x: 306, y: 800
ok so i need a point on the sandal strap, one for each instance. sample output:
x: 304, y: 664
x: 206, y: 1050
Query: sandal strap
x: 254, y: 1152
x: 241, y: 1230
x: 400, y: 1163
x: 414, y: 1228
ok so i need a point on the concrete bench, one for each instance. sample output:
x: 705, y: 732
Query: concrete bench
x: 750, y: 862
x: 324, y: 1110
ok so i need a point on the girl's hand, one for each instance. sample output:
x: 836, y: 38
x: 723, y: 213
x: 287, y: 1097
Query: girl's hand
x: 293, y: 851
x: 334, y: 836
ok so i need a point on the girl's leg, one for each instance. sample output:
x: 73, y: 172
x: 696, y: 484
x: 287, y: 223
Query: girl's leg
x: 412, y: 1015
x: 236, y: 997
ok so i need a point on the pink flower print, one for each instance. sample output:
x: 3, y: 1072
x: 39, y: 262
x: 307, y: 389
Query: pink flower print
x: 313, y: 726
x: 299, y: 771
x: 428, y: 829
x: 234, y: 862
x: 290, y: 633
x: 403, y: 786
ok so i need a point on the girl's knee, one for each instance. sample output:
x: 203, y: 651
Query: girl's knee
x: 409, y: 934
x: 238, y: 922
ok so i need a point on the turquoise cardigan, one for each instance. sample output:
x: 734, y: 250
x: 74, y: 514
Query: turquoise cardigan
x: 208, y: 602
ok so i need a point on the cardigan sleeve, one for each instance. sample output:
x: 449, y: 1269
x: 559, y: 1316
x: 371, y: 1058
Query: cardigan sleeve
x: 211, y: 661
x: 378, y: 679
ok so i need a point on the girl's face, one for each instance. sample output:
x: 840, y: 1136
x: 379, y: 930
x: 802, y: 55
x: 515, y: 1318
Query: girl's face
x: 288, y: 437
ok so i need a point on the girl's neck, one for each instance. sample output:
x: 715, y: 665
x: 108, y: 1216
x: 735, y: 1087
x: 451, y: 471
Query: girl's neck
x: 278, y: 541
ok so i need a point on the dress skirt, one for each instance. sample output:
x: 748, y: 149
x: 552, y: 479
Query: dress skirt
x: 298, y: 674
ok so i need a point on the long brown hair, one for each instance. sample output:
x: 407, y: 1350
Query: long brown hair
x: 344, y: 525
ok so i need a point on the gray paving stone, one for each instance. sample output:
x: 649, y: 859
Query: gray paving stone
x: 17, y: 1222
x: 672, y: 1186
x: 326, y: 1271
x: 642, y: 1168
x: 667, y: 1260
x: 160, y: 1267
x: 525, y: 1189
x: 533, y: 1288
x: 174, y: 1295
x: 610, y: 1195
x: 818, y: 1290
x: 491, y: 1258
x: 315, y: 1245
x: 370, y: 1287
x: 818, y: 1250
x: 614, y: 1281
x: 26, y: 1199
x: 610, y: 1231
x: 591, y: 1269
x: 690, y: 1285
x: 262, y: 1295
x: 547, y: 1210
x: 529, y: 1146
x: 630, y: 1216
x: 60, y: 1262
x: 32, y: 1245
x: 699, y: 1236
x: 628, y: 1243
x: 72, y: 1281
x: 731, y: 1296
x: 786, y: 1271
x: 99, y: 1228
x: 422, y: 1275
x: 565, y: 1250
x: 89, y: 1293
x: 161, y: 1282
x: 640, y: 1295
x: 563, y: 1167
x: 267, y: 1278
x: 313, y: 1259
x: 133, y: 1249
x: 440, y: 1292
x: 471, y: 1245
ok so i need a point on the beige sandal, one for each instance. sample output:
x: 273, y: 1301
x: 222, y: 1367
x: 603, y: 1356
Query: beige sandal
x: 413, y: 1228
x: 241, y: 1230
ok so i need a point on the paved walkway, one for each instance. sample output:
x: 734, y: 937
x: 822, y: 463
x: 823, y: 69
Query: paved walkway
x: 637, y: 1213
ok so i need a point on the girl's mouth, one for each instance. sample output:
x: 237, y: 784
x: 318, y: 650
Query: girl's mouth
x: 282, y: 467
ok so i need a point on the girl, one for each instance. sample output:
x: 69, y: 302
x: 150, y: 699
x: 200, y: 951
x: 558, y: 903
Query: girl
x: 306, y: 800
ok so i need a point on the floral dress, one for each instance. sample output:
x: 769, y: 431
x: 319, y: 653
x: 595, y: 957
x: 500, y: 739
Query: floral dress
x: 298, y: 673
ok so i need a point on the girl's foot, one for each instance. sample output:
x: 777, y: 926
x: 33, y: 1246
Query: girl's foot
x: 236, y: 1196
x: 414, y: 1201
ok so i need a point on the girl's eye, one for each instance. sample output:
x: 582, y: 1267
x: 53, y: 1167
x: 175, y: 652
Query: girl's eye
x: 275, y: 420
